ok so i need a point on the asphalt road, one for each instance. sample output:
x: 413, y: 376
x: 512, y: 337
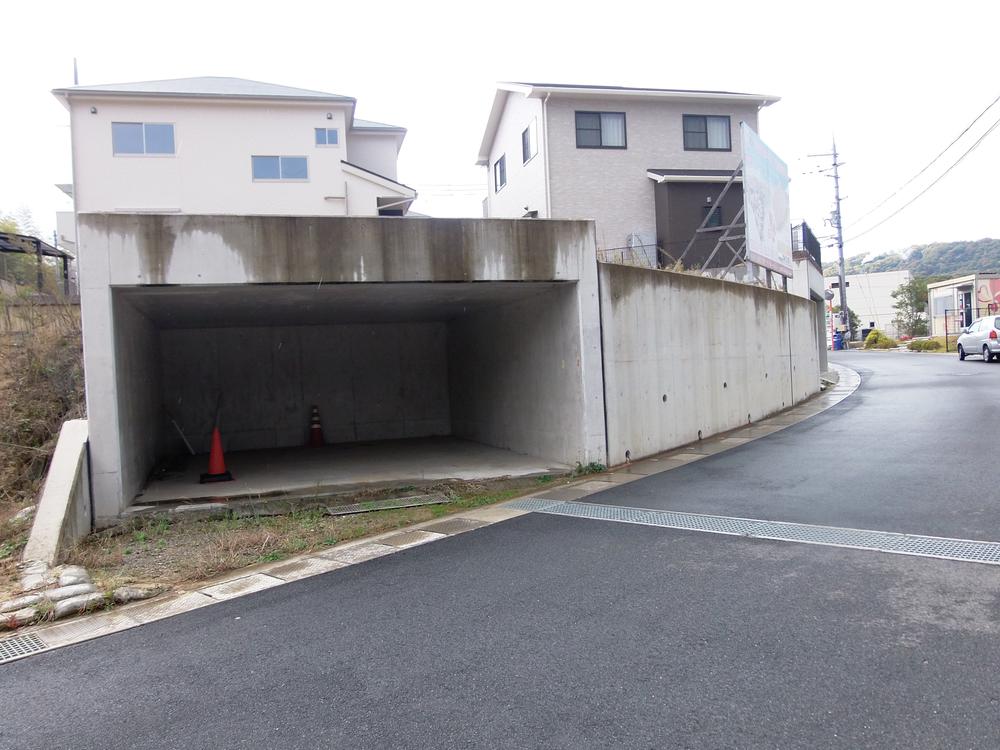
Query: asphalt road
x: 556, y: 632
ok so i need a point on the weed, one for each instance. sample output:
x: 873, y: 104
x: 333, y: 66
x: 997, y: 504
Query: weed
x: 593, y: 467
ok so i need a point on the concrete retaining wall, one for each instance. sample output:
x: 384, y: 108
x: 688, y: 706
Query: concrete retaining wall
x: 687, y: 354
x: 64, y: 514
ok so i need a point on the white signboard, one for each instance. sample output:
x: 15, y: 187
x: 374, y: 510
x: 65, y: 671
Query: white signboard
x: 765, y: 205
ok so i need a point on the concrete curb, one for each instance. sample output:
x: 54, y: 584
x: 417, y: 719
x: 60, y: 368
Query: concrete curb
x: 267, y: 575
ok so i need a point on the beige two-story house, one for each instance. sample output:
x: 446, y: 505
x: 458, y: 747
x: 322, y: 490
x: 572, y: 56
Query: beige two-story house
x: 213, y: 145
x: 647, y: 164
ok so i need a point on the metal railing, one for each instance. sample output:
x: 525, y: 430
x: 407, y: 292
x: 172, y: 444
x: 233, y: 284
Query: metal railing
x: 955, y: 319
x: 644, y: 256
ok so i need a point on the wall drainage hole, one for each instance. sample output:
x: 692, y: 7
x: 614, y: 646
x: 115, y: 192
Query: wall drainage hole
x: 664, y: 398
x: 699, y: 434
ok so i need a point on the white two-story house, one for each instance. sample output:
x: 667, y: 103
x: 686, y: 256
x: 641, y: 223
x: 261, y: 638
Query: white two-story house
x: 647, y: 164
x: 229, y: 146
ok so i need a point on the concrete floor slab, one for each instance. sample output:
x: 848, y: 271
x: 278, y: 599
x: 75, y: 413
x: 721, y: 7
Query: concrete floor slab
x: 356, y: 553
x: 343, y: 467
x: 410, y: 538
x: 294, y: 570
x: 454, y: 525
x: 240, y: 586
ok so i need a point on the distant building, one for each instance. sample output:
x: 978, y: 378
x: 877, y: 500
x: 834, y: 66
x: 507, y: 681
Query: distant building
x: 869, y: 296
x: 807, y: 281
x: 955, y: 303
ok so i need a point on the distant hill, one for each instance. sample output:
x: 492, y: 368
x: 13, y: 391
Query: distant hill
x: 941, y: 259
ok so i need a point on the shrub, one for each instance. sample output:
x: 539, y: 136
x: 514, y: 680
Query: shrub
x: 924, y: 345
x: 878, y: 340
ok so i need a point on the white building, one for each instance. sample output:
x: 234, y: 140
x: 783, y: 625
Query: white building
x: 229, y: 146
x: 869, y: 296
x: 646, y: 164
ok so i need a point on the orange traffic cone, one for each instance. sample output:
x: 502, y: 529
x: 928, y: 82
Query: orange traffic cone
x: 315, y: 430
x: 216, y: 461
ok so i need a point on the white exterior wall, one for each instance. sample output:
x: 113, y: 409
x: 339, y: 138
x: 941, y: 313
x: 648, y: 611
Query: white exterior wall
x: 869, y: 295
x: 375, y: 151
x: 210, y: 172
x: 610, y: 185
x: 525, y: 182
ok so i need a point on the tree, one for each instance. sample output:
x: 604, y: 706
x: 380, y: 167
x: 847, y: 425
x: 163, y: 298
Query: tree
x: 852, y: 320
x: 911, y: 302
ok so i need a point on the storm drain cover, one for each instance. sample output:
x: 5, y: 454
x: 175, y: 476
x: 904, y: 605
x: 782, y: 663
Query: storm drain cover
x: 967, y: 550
x: 20, y: 645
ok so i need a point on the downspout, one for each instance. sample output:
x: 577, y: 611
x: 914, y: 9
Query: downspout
x: 545, y: 131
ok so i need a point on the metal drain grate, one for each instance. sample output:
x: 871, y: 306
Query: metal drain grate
x: 20, y: 645
x: 967, y: 550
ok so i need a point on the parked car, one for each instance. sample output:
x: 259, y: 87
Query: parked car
x: 981, y: 337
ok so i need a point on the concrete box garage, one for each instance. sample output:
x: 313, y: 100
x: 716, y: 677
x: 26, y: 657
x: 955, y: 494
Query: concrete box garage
x: 432, y: 348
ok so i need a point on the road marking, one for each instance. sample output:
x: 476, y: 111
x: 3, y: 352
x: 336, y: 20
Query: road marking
x: 944, y: 548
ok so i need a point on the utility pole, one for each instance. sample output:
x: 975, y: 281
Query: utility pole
x: 845, y: 315
x: 835, y: 221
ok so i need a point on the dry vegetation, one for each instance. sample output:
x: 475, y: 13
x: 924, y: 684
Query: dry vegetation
x: 41, y: 385
x: 169, y: 550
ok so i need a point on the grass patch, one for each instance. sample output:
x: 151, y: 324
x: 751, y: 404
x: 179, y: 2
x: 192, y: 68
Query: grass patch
x: 170, y: 551
x: 41, y: 385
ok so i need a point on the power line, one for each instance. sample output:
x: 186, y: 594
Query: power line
x: 929, y: 165
x: 935, y: 182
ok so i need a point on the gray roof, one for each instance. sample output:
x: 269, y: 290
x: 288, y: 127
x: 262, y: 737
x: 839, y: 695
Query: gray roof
x: 570, y: 86
x: 372, y: 125
x: 206, y: 86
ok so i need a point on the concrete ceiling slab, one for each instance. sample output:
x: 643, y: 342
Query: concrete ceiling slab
x: 323, y: 304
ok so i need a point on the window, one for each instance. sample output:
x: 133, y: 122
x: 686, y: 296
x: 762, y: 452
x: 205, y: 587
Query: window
x: 499, y: 173
x: 327, y: 137
x: 707, y: 133
x: 600, y: 130
x: 714, y: 214
x: 280, y: 167
x: 155, y: 138
x: 529, y: 143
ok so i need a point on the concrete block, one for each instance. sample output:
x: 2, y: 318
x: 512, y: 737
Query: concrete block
x: 63, y: 515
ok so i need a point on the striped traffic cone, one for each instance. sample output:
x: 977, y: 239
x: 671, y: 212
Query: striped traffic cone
x: 315, y: 430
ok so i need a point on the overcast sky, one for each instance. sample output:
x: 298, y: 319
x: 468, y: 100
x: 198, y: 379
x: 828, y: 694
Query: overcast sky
x: 896, y: 82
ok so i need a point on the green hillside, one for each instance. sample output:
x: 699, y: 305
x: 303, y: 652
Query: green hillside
x: 942, y: 259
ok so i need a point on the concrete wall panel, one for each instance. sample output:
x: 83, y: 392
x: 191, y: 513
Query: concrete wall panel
x: 370, y: 382
x: 139, y: 412
x: 515, y: 378
x: 686, y: 354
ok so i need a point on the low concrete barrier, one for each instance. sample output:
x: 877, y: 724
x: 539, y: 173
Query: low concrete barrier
x: 64, y: 510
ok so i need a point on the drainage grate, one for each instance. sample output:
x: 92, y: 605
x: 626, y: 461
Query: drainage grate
x: 20, y: 645
x: 967, y: 550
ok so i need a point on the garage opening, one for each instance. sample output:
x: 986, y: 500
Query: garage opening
x: 414, y: 383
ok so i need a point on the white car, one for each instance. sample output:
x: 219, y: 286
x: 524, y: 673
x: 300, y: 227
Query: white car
x: 982, y: 338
